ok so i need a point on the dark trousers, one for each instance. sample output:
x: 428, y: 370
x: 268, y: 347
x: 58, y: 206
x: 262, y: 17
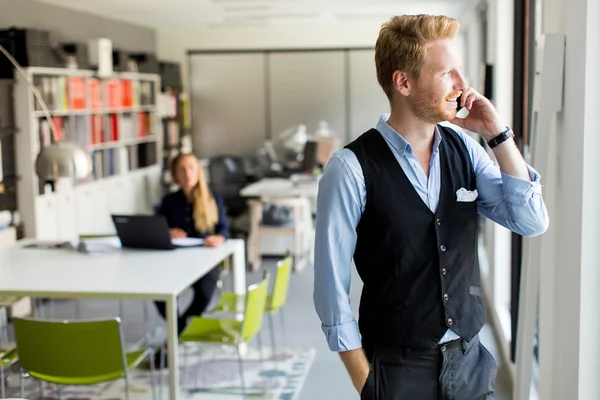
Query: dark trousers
x: 458, y: 370
x: 204, y: 289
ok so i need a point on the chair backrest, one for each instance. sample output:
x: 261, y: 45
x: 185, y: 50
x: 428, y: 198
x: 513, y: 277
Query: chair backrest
x: 70, y: 349
x: 282, y: 283
x: 256, y: 299
x: 227, y: 177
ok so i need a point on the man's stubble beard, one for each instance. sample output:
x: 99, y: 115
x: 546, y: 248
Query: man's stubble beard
x: 428, y: 108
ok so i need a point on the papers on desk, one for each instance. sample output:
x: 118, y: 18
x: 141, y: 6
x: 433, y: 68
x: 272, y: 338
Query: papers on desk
x: 111, y: 244
x: 187, y: 242
x: 99, y: 245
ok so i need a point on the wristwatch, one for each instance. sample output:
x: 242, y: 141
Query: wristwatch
x: 502, y: 137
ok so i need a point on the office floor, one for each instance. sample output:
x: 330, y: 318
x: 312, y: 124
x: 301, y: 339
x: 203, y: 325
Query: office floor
x: 327, y: 378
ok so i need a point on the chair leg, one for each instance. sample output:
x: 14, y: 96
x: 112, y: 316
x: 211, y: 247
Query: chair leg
x: 260, y: 349
x: 126, y: 386
x: 2, y: 389
x: 3, y: 328
x: 163, y: 357
x: 241, y: 372
x: 273, y: 347
x: 146, y: 323
x: 199, y: 371
x: 22, y: 382
x: 186, y: 362
x: 152, y: 377
x: 77, y: 308
x: 41, y: 313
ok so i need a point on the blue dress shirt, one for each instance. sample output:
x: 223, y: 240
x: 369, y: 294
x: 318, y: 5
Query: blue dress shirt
x: 514, y: 203
x: 180, y: 214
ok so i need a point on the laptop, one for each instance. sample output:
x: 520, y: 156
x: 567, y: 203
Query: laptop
x: 149, y: 232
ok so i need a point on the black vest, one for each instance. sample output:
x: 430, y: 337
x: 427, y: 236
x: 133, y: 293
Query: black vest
x: 420, y: 269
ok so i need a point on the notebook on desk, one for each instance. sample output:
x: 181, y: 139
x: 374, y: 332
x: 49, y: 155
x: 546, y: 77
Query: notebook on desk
x: 149, y: 232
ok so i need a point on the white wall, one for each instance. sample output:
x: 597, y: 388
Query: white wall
x: 173, y: 44
x: 473, y: 38
x: 500, y: 48
x: 69, y: 25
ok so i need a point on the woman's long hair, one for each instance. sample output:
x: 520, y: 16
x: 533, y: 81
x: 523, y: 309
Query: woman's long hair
x: 206, y: 215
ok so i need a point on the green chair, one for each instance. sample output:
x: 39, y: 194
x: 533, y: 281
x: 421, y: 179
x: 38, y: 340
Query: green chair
x: 77, y: 352
x: 231, y: 332
x: 7, y: 359
x: 233, y: 303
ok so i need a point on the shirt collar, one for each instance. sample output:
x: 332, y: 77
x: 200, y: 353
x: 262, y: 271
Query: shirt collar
x: 397, y: 141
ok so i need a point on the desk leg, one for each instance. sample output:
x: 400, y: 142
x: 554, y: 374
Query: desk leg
x: 254, y: 254
x: 238, y: 269
x: 173, y: 347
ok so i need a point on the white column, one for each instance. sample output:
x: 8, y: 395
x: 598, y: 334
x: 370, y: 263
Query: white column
x: 569, y: 316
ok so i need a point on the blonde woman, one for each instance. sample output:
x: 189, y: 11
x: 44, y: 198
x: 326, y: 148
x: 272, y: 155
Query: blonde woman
x: 194, y: 211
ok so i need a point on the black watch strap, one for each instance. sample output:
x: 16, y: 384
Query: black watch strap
x: 502, y: 137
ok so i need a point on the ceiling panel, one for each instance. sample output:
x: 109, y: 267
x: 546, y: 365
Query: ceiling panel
x: 199, y: 13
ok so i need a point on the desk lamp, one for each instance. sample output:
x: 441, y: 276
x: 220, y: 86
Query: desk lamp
x: 59, y: 159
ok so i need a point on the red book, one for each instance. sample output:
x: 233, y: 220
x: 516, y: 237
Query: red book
x: 127, y: 94
x: 114, y: 127
x: 77, y: 93
x: 96, y: 133
x: 114, y: 94
x: 95, y: 93
x: 142, y: 129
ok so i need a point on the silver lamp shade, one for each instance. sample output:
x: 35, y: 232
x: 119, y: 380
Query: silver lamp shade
x: 63, y: 160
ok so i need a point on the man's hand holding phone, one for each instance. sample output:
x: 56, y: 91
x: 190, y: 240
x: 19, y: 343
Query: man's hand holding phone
x: 482, y: 117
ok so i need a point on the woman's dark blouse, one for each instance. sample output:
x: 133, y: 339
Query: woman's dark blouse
x: 180, y: 214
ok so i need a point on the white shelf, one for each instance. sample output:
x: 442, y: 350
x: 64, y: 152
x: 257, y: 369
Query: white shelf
x: 72, y: 72
x: 122, y: 142
x: 96, y: 111
x: 60, y: 71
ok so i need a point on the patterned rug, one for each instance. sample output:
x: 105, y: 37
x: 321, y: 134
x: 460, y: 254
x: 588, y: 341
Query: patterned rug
x: 211, y: 374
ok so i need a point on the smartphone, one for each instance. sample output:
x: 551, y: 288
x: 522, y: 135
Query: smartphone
x: 458, y: 100
x: 461, y: 112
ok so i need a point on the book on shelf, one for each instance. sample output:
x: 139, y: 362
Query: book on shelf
x: 1, y: 171
x: 62, y: 93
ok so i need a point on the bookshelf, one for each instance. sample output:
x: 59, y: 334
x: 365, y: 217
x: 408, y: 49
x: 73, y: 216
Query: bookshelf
x: 116, y: 119
x: 176, y: 133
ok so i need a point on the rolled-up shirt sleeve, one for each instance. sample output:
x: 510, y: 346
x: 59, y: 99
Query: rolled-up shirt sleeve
x: 515, y: 203
x: 339, y: 209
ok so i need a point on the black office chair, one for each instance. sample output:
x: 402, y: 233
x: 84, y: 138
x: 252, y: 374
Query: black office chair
x: 227, y: 177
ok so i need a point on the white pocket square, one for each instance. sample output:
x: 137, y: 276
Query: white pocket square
x: 464, y: 195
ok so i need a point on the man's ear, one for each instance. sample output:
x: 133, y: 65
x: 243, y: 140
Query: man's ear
x: 401, y: 82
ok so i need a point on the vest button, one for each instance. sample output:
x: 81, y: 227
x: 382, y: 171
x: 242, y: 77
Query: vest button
x: 446, y: 297
x: 438, y: 221
x: 444, y: 271
x: 443, y: 248
x: 450, y: 321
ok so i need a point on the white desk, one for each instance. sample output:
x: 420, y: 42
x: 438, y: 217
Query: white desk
x: 281, y: 187
x: 124, y: 274
x: 298, y: 193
